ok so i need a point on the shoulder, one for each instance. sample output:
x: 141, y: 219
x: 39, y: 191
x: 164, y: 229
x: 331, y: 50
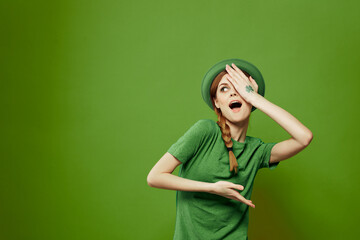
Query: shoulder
x: 259, y: 144
x: 206, y: 123
x: 254, y: 141
x: 206, y: 126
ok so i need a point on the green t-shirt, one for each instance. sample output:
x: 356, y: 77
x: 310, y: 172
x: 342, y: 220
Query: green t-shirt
x: 204, y: 157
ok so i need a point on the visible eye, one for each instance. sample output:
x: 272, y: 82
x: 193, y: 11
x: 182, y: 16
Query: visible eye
x: 222, y: 89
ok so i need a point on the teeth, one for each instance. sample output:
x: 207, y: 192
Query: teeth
x: 234, y: 102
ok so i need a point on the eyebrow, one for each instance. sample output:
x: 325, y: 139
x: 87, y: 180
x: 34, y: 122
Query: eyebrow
x: 223, y: 84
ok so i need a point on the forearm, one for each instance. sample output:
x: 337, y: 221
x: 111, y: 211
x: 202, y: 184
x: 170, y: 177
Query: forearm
x: 287, y: 121
x: 172, y: 182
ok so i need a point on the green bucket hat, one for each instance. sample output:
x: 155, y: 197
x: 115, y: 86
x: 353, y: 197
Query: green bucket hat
x: 220, y: 66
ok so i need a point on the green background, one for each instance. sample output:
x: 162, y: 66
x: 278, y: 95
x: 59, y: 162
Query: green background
x: 93, y: 93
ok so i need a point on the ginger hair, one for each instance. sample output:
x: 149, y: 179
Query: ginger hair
x: 225, y: 129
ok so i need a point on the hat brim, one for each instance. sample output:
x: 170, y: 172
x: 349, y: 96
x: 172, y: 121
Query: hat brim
x: 220, y: 66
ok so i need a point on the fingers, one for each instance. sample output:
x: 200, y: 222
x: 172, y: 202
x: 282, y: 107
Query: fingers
x: 232, y: 72
x: 239, y: 197
x: 231, y: 80
x: 247, y: 202
x: 235, y: 76
x: 239, y: 187
x: 254, y: 82
x: 238, y: 70
x: 250, y: 203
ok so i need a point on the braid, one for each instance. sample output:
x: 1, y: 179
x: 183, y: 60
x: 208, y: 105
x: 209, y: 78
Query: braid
x: 225, y: 129
x: 226, y: 135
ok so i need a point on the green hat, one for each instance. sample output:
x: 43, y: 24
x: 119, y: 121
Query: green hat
x: 220, y: 66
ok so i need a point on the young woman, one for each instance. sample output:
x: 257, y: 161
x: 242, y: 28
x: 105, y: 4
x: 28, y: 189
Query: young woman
x: 219, y: 161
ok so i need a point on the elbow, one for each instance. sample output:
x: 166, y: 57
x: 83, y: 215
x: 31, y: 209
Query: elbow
x: 149, y: 180
x: 308, y: 138
x: 154, y: 180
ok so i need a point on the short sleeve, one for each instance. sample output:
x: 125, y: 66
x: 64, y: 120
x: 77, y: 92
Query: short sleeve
x: 186, y: 147
x: 265, y: 153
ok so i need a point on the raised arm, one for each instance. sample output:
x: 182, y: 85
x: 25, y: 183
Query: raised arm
x: 301, y: 136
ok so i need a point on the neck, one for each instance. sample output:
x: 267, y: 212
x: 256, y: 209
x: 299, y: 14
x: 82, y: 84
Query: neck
x: 238, y: 130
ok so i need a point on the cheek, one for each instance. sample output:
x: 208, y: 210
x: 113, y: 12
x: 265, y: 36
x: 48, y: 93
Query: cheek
x: 222, y: 102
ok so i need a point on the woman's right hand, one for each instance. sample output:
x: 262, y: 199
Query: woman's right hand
x: 226, y: 189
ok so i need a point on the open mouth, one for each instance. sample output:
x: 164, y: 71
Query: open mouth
x: 235, y: 106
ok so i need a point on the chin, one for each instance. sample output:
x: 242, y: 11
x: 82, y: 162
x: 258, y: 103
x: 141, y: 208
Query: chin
x: 237, y: 120
x: 238, y: 117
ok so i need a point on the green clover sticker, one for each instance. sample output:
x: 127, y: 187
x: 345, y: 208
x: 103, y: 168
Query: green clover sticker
x: 249, y: 88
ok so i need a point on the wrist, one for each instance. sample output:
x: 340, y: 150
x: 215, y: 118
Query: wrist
x: 210, y: 188
x: 253, y: 98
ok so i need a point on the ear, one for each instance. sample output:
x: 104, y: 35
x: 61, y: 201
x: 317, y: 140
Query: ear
x: 216, y: 103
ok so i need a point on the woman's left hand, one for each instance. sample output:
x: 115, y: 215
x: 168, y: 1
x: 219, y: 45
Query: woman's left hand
x: 245, y: 86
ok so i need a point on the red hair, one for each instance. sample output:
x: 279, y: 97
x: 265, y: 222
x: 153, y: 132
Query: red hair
x: 225, y: 129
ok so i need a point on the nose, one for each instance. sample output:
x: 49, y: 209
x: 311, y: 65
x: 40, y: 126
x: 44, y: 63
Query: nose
x: 233, y: 93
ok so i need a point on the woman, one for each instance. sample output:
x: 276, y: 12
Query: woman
x: 219, y: 161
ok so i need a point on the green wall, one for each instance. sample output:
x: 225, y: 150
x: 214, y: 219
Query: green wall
x: 93, y: 93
